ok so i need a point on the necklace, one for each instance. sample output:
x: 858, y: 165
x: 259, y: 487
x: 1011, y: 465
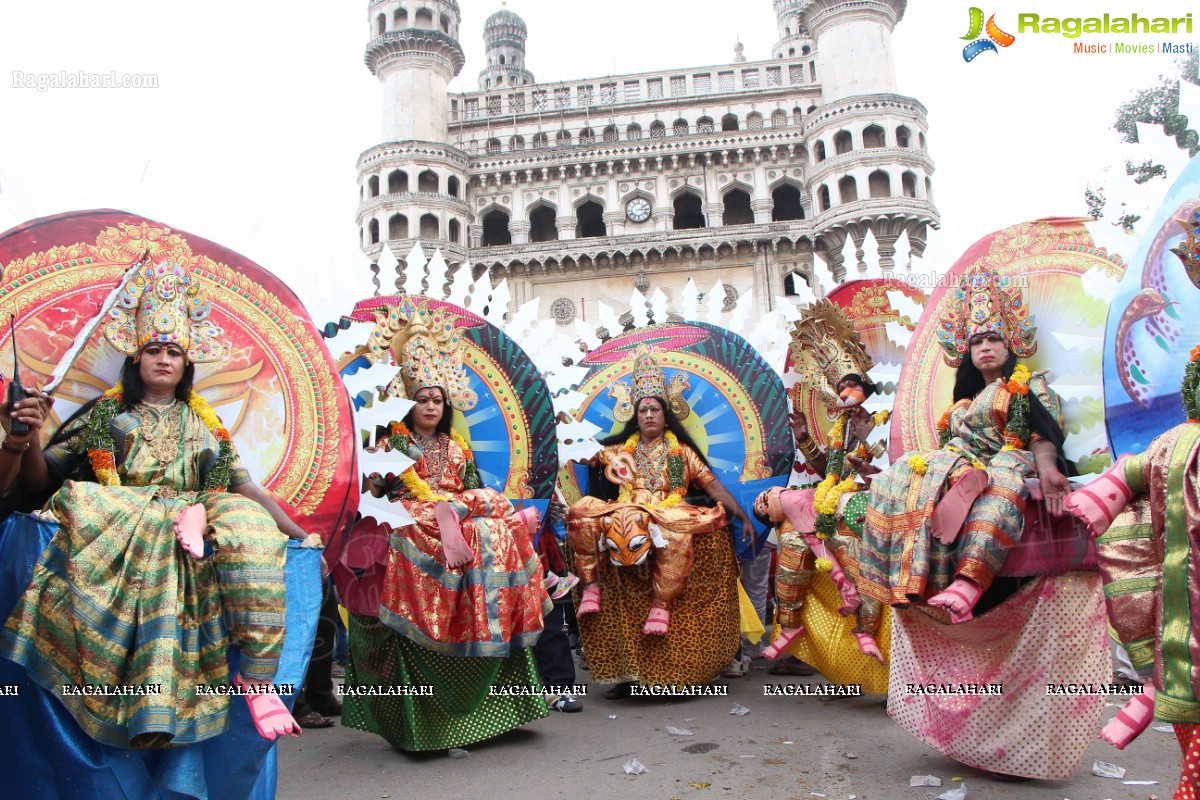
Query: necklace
x: 161, y: 430
x: 650, y: 460
x: 436, y: 450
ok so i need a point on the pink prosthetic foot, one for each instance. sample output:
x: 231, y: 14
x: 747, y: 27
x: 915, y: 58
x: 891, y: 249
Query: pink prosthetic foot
x: 1131, y: 720
x: 868, y: 646
x: 270, y: 715
x: 190, y: 526
x: 529, y: 518
x: 952, y: 510
x: 782, y: 642
x: 959, y: 598
x: 657, y: 622
x: 454, y: 547
x: 590, y: 602
x: 1098, y: 503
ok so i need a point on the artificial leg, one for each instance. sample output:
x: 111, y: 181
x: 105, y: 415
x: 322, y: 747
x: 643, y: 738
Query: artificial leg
x: 1100, y: 501
x: 959, y: 598
x: 954, y: 506
x: 454, y: 547
x: 1133, y: 718
x: 270, y: 715
x: 190, y: 526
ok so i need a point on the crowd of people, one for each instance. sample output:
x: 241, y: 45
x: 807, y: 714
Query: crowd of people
x: 167, y: 553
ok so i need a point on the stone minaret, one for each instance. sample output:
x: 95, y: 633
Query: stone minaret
x: 870, y: 169
x: 412, y: 186
x: 504, y: 35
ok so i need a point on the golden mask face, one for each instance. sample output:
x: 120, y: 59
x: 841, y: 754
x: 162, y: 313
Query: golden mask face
x: 627, y: 536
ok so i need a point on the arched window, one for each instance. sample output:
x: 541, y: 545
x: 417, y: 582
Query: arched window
x: 729, y: 122
x: 587, y: 136
x: 563, y: 138
x: 787, y: 203
x: 502, y: 58
x: 430, y: 228
x: 792, y: 282
x: 373, y: 186
x: 842, y: 143
x: 903, y: 136
x: 590, y: 216
x: 427, y: 181
x: 704, y: 125
x: 921, y: 140
x: 374, y: 231
x: 737, y: 208
x: 688, y: 212
x: 516, y: 143
x: 445, y: 24
x: 424, y: 18
x: 495, y: 229
x: 848, y: 189
x: 879, y: 184
x: 397, y: 227
x: 657, y: 130
x: 452, y: 186
x: 540, y: 141
x: 493, y: 146
x: 929, y: 190
x: 823, y: 198
x: 754, y: 121
x: 400, y: 18
x: 380, y: 28
x: 543, y: 224
x: 805, y: 50
x: 680, y: 128
x: 819, y: 151
x: 797, y: 116
x: 633, y: 132
x: 873, y: 136
x: 397, y: 181
x: 610, y: 133
x: 908, y: 184
x: 779, y: 118
x: 454, y: 229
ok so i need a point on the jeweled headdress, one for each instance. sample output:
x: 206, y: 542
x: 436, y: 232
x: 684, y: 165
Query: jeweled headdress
x: 164, y: 304
x: 649, y: 380
x: 430, y: 349
x: 825, y: 348
x: 985, y: 302
x: 1189, y: 250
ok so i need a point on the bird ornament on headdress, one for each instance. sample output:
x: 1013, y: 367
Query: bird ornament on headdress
x: 163, y: 304
x: 985, y: 302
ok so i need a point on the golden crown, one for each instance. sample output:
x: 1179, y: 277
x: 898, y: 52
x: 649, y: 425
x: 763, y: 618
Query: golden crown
x: 429, y: 347
x: 164, y: 304
x: 985, y: 301
x: 649, y: 380
x: 825, y: 348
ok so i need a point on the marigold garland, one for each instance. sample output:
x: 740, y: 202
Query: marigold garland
x: 675, y: 472
x: 918, y: 464
x: 101, y: 447
x: 823, y: 564
x: 1191, y: 387
x: 825, y: 502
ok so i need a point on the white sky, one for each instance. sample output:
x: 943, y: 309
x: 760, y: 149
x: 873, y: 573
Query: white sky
x: 262, y: 109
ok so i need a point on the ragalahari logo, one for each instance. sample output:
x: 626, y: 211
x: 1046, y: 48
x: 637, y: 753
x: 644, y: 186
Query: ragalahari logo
x: 995, y: 36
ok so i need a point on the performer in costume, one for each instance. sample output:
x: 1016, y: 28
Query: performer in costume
x: 828, y: 354
x: 653, y: 461
x: 939, y: 524
x: 170, y: 539
x: 1145, y: 513
x: 463, y: 597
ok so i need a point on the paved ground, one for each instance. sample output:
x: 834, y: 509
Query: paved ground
x: 784, y: 749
